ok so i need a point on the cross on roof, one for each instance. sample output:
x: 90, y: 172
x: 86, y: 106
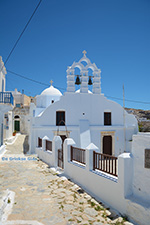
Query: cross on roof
x: 84, y: 52
x: 51, y: 82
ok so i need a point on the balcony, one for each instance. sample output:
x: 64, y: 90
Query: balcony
x: 6, y: 98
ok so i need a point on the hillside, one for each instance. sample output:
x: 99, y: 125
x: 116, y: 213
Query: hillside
x: 143, y: 117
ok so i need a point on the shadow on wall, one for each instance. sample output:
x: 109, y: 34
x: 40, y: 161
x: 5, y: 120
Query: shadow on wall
x: 26, y: 145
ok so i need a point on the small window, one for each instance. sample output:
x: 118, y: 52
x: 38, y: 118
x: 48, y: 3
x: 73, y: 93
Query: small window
x: 107, y: 118
x: 60, y: 118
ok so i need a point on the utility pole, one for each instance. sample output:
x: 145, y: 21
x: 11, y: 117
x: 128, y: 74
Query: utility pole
x: 124, y: 120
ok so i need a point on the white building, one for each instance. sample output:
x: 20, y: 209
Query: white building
x: 20, y: 99
x: 85, y: 116
x: 6, y: 104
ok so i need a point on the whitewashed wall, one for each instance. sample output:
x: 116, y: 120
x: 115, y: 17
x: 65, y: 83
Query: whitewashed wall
x: 4, y: 108
x: 102, y: 186
x: 129, y: 193
x: 49, y: 157
x: 141, y: 180
x: 8, y: 126
x: 139, y: 201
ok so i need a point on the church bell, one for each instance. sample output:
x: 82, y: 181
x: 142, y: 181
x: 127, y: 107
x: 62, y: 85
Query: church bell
x: 78, y: 80
x: 90, y: 81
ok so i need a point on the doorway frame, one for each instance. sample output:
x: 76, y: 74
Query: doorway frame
x: 108, y: 133
x: 15, y: 121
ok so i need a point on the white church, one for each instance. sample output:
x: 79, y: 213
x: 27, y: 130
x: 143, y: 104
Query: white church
x: 90, y: 124
x: 83, y: 115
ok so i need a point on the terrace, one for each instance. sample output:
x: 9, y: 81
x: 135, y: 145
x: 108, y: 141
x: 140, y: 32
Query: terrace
x: 6, y: 98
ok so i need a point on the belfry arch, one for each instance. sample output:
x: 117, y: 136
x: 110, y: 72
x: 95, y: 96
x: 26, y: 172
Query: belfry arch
x: 84, y: 75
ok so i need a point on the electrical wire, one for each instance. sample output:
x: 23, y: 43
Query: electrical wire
x: 21, y: 35
x: 24, y: 77
x: 127, y: 100
x: 32, y: 80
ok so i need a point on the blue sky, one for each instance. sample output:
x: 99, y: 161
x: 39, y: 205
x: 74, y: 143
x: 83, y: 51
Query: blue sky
x: 115, y: 34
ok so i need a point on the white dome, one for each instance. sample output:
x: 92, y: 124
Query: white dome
x: 48, y: 97
x: 51, y: 91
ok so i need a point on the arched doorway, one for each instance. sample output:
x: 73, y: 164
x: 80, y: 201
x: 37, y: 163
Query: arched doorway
x: 17, y: 123
x: 107, y: 145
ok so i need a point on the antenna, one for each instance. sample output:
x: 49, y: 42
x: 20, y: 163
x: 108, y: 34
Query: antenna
x: 124, y: 120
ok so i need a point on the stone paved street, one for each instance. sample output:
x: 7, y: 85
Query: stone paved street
x: 32, y: 193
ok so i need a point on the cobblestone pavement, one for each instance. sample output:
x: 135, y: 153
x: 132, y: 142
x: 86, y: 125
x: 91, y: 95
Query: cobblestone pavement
x: 32, y: 193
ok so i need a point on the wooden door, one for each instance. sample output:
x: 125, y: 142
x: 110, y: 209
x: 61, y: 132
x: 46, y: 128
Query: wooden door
x: 1, y: 138
x: 17, y: 125
x: 107, y: 145
x: 61, y: 153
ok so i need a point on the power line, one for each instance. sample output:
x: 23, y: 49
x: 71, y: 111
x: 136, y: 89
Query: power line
x: 128, y: 100
x: 24, y: 77
x: 21, y: 34
x: 32, y: 80
x: 38, y: 82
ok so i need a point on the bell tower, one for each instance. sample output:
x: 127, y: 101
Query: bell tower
x: 84, y: 79
x: 70, y: 80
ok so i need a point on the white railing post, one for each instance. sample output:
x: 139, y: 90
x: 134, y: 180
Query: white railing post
x: 67, y: 156
x: 125, y: 173
x: 89, y: 156
x: 56, y: 144
x: 44, y: 142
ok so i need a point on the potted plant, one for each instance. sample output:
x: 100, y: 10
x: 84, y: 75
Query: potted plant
x: 14, y: 133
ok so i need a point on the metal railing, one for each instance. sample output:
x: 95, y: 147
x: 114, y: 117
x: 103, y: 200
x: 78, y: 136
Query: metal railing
x: 61, y: 158
x: 78, y: 155
x: 48, y: 145
x: 6, y: 98
x: 105, y: 163
x: 39, y: 142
